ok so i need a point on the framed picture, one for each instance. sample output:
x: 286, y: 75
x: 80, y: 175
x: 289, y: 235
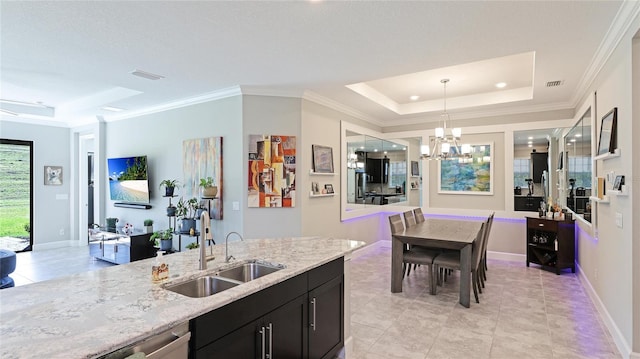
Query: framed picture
x: 617, y: 183
x: 608, y: 139
x: 468, y: 175
x: 415, y: 168
x: 52, y: 175
x: 322, y: 159
x: 328, y: 187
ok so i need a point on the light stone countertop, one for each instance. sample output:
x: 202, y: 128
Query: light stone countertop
x: 94, y: 313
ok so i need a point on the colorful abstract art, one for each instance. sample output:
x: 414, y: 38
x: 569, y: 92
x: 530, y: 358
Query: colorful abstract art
x: 272, y: 171
x: 468, y: 175
x: 202, y: 158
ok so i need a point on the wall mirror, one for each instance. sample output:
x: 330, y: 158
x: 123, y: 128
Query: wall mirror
x: 535, y: 164
x: 577, y: 146
x: 376, y: 171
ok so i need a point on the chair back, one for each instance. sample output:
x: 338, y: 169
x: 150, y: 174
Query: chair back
x: 488, y: 224
x: 417, y: 213
x: 395, y: 222
x: 476, y: 252
x: 408, y: 219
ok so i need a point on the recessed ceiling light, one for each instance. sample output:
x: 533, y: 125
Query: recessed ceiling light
x: 530, y: 142
x: 573, y: 140
x: 375, y: 150
x: 146, y: 75
x: 501, y: 85
x: 530, y: 138
x: 414, y: 97
x: 578, y: 135
x: 530, y: 145
x: 568, y: 144
x: 112, y: 109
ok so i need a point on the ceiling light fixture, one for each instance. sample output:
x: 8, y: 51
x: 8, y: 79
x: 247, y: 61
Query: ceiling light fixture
x: 445, y: 146
x: 501, y: 85
x: 414, y: 98
x: 146, y: 75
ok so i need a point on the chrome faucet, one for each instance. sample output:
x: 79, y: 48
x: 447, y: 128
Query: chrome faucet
x: 227, y: 257
x: 205, y: 236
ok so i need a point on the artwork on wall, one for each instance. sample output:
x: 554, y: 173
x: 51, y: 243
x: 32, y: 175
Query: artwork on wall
x: 202, y: 158
x: 415, y: 169
x: 470, y: 175
x: 272, y: 171
x: 322, y: 159
x: 608, y: 135
x: 52, y: 175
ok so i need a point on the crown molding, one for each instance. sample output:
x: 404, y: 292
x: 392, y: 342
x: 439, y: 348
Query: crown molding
x: 627, y: 14
x: 210, y: 96
x: 321, y: 100
x: 265, y: 91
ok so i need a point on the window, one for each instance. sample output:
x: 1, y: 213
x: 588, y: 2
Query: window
x: 397, y: 174
x: 521, y: 171
x: 580, y: 168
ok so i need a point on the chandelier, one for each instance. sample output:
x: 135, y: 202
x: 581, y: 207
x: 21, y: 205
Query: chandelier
x: 445, y: 144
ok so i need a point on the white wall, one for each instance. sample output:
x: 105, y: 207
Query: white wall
x: 51, y: 212
x: 159, y: 136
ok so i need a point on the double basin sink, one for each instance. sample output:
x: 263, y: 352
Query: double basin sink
x: 224, y: 279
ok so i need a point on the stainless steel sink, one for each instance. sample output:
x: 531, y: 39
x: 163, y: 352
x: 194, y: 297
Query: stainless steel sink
x: 249, y: 271
x: 201, y: 286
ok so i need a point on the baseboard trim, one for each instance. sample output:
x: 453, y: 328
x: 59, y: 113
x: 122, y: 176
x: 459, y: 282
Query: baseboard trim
x: 504, y: 256
x: 618, y: 338
x: 54, y: 245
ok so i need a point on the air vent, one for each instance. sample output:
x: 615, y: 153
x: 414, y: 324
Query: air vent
x: 554, y: 83
x: 146, y: 75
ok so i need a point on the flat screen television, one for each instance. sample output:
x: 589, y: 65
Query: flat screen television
x: 128, y: 179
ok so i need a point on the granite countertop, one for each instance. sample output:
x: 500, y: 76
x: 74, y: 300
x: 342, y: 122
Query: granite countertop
x: 94, y: 313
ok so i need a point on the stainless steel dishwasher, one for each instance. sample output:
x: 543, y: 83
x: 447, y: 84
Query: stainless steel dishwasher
x: 170, y: 344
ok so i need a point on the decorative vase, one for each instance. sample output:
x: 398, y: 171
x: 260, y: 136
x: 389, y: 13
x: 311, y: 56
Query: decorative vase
x: 209, y: 192
x: 149, y: 229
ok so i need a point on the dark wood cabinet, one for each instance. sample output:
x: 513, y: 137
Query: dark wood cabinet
x: 551, y: 243
x: 276, y: 322
x: 539, y: 162
x: 378, y: 170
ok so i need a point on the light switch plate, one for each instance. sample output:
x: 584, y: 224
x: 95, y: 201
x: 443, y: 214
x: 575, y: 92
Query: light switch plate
x: 236, y: 206
x: 619, y: 219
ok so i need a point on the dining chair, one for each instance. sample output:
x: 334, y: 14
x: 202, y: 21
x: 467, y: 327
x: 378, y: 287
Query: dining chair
x: 451, y: 260
x: 409, y: 219
x: 417, y: 214
x: 413, y: 256
x: 483, y: 260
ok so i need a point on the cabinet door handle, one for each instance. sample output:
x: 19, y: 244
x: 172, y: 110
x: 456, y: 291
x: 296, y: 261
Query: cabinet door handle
x: 115, y: 249
x: 263, y: 349
x: 101, y: 245
x: 313, y: 316
x: 270, y: 353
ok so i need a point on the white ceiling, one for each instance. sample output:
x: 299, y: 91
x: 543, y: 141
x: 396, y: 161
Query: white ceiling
x: 76, y: 57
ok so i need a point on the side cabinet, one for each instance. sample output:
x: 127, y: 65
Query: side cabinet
x: 277, y: 322
x: 551, y: 243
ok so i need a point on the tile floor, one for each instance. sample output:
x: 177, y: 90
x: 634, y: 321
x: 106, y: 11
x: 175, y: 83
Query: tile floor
x: 523, y: 312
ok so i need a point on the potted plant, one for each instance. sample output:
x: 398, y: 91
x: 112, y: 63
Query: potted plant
x: 163, y: 239
x: 186, y: 213
x: 169, y: 186
x: 148, y: 225
x: 209, y: 189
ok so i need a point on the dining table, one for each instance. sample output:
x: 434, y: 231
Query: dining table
x: 454, y: 234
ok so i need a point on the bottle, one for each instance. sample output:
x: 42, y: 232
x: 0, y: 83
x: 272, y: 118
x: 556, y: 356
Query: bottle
x: 160, y: 271
x: 555, y: 244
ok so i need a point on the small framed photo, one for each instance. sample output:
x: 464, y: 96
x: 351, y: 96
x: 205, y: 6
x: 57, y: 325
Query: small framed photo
x: 322, y: 159
x: 415, y: 168
x: 315, y: 188
x: 52, y: 175
x: 328, y: 187
x: 618, y: 182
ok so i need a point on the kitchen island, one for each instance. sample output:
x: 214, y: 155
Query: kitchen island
x: 94, y: 313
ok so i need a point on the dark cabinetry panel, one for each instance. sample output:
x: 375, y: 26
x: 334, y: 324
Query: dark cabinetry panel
x: 539, y: 162
x: 378, y: 170
x: 551, y: 243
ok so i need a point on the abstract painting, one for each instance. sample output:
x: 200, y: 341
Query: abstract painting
x: 272, y: 171
x: 468, y: 175
x: 202, y: 158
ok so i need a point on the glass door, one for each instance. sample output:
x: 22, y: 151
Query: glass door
x: 16, y: 195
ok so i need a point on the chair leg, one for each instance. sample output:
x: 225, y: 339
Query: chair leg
x: 404, y: 270
x: 433, y: 272
x: 408, y: 268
